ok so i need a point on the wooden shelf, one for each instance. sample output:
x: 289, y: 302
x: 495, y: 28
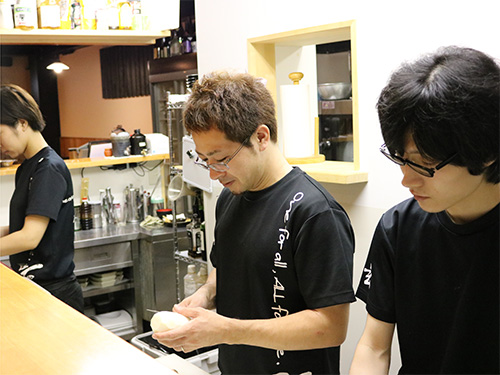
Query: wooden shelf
x: 96, y: 162
x: 80, y: 37
x: 335, y: 172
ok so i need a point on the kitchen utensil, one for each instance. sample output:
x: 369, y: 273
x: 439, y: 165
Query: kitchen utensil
x: 133, y: 204
x: 108, y: 206
x: 120, y: 144
x: 334, y: 91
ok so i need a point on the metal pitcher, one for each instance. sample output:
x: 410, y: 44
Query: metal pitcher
x: 133, y: 205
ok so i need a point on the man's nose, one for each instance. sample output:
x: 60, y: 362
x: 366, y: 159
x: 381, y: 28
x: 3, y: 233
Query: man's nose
x: 214, y: 175
x: 411, y: 178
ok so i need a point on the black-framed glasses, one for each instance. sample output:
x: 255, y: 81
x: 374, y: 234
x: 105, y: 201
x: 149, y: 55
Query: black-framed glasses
x: 424, y: 171
x: 222, y: 166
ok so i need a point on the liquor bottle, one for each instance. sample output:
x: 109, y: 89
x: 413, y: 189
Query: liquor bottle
x: 175, y: 46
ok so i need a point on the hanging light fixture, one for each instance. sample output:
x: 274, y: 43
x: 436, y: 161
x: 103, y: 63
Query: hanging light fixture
x: 57, y: 66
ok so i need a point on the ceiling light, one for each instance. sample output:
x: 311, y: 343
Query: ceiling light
x: 57, y: 67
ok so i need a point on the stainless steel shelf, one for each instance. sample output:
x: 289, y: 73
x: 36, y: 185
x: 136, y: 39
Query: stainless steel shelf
x: 184, y: 257
x: 91, y: 291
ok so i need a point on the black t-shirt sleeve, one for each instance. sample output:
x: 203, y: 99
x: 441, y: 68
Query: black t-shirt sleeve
x: 376, y: 287
x: 47, y: 191
x: 325, y: 246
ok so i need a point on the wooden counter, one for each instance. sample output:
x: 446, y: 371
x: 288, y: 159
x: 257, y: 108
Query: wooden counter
x: 96, y: 162
x: 41, y: 335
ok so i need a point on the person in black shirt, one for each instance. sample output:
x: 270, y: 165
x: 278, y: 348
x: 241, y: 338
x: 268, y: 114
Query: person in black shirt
x: 40, y: 235
x: 432, y: 271
x: 283, y: 250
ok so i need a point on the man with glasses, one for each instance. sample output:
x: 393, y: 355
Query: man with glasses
x: 283, y: 250
x: 433, y: 267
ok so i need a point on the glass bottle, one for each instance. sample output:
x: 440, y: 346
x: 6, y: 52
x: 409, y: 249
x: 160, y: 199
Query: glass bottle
x: 175, y: 46
x: 86, y: 217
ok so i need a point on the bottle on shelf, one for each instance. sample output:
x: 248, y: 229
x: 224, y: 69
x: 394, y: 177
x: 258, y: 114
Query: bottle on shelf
x: 113, y: 15
x: 165, y: 52
x: 201, y: 277
x: 49, y: 14
x: 175, y: 44
x: 136, y: 15
x: 86, y: 217
x: 190, y: 281
x: 65, y: 8
x: 25, y: 15
x: 194, y: 235
x: 76, y: 15
x: 126, y: 15
x: 137, y: 143
x: 89, y: 14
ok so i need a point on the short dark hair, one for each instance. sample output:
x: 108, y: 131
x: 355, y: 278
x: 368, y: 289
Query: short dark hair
x: 448, y: 102
x: 234, y: 103
x: 17, y: 104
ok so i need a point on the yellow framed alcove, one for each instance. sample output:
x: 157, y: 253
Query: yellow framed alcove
x: 262, y: 63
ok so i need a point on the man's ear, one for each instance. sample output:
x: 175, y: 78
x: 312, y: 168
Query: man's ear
x: 263, y: 136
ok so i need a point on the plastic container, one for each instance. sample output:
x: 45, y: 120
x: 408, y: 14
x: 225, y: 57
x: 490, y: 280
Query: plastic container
x: 190, y: 281
x: 201, y: 277
x: 204, y: 358
x: 138, y: 143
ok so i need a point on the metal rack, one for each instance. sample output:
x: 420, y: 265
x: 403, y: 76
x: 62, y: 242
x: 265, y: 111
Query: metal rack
x: 179, y: 255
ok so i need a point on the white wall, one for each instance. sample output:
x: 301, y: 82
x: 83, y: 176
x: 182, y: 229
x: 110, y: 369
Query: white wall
x: 98, y: 179
x: 388, y: 32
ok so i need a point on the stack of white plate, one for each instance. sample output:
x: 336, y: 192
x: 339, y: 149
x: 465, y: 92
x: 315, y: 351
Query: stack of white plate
x: 106, y: 279
x: 83, y: 281
x: 118, y: 322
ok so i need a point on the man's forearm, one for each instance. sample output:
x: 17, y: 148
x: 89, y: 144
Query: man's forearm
x: 367, y: 361
x: 308, y: 329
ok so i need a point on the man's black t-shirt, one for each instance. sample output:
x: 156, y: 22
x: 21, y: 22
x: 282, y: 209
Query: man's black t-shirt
x: 278, y: 251
x: 44, y: 188
x: 439, y: 283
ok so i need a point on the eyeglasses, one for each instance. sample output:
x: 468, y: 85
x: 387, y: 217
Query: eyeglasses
x: 222, y: 166
x: 424, y: 171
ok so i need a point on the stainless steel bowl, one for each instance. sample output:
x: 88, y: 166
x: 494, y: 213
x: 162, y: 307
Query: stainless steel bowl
x: 334, y: 91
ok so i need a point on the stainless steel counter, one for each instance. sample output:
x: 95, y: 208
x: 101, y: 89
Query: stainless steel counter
x: 121, y: 233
